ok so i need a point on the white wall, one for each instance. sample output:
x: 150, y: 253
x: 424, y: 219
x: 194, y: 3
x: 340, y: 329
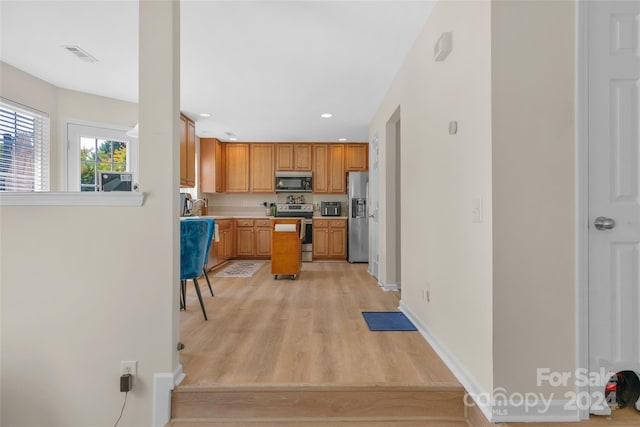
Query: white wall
x: 62, y: 105
x: 502, y: 291
x: 441, y: 174
x: 86, y: 287
x: 533, y: 192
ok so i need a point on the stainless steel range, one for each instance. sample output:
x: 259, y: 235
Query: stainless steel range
x: 305, y: 211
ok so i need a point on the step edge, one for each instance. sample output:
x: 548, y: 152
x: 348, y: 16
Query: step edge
x: 436, y: 387
x: 317, y: 419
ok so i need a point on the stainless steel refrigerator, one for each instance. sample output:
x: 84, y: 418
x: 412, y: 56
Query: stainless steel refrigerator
x: 357, y: 189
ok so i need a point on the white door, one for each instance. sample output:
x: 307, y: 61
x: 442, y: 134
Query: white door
x: 374, y: 203
x: 614, y: 187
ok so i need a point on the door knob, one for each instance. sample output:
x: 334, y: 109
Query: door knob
x: 603, y: 223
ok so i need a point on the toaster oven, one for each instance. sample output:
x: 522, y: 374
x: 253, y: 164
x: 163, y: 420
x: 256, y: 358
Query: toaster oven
x: 330, y: 209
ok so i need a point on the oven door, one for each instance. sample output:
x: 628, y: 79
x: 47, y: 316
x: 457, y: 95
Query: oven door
x: 307, y: 242
x: 308, y: 232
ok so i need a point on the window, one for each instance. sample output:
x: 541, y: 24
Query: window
x: 24, y: 148
x: 93, y: 149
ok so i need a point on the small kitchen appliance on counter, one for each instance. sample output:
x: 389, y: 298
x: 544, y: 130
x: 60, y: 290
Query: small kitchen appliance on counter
x: 330, y: 208
x: 300, y: 210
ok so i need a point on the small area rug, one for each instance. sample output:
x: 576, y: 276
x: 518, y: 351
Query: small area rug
x: 240, y: 269
x: 387, y: 321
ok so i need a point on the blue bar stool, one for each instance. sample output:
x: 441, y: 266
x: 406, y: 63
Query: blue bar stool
x: 193, y: 246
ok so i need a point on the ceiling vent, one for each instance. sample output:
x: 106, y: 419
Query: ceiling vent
x: 80, y: 53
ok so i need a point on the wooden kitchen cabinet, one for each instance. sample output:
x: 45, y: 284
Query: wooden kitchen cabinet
x: 357, y: 157
x: 226, y: 244
x: 336, y: 174
x: 212, y: 165
x: 253, y: 238
x: 293, y: 157
x: 249, y: 168
x: 262, y: 168
x: 284, y: 157
x: 187, y: 152
x: 320, y: 157
x: 263, y: 237
x: 223, y: 250
x: 244, y: 238
x: 328, y: 169
x: 237, y: 167
x: 330, y: 239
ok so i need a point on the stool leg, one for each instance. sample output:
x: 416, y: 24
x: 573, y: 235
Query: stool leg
x: 204, y: 312
x: 206, y: 276
x: 183, y: 302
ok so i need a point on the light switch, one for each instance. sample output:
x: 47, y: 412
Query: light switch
x: 476, y: 210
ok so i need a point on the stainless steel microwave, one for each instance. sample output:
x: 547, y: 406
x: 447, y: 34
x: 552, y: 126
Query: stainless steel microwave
x: 294, y: 182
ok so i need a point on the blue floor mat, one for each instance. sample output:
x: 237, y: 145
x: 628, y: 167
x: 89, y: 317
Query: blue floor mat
x: 387, y: 321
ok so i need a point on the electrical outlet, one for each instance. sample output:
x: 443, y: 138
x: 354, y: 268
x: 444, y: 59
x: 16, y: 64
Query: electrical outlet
x: 128, y: 367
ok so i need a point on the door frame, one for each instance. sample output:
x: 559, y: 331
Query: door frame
x: 582, y: 192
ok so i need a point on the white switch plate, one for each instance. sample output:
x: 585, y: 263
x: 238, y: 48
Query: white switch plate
x: 476, y: 210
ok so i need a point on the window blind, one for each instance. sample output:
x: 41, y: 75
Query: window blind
x: 24, y: 148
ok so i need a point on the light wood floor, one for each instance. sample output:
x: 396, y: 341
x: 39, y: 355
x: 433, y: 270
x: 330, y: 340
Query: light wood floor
x: 304, y: 331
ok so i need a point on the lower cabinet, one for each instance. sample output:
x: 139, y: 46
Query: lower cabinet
x: 253, y: 238
x: 222, y: 250
x: 263, y: 237
x: 330, y: 239
x: 226, y: 244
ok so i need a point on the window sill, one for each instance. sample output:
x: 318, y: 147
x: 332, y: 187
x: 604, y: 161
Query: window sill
x: 112, y: 198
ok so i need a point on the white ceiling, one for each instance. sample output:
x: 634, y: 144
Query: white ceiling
x: 264, y: 70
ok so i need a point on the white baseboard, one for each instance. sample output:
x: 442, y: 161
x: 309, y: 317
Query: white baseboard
x: 470, y: 384
x: 391, y: 287
x: 163, y: 383
x: 178, y: 375
x: 501, y: 411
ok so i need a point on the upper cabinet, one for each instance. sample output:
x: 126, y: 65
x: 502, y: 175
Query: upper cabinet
x: 357, y: 157
x: 250, y: 167
x: 212, y: 165
x: 262, y: 169
x: 187, y: 152
x: 237, y: 161
x: 293, y: 157
x: 328, y: 168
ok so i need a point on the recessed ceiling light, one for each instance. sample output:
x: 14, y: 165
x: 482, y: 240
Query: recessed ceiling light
x: 233, y: 139
x: 326, y: 115
x: 342, y: 139
x: 205, y: 115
